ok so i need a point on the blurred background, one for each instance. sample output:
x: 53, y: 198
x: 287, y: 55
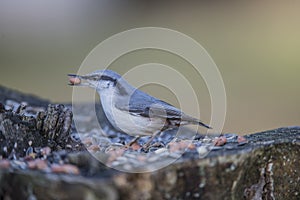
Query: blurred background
x: 255, y: 44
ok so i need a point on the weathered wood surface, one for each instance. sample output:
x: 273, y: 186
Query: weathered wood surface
x: 266, y: 167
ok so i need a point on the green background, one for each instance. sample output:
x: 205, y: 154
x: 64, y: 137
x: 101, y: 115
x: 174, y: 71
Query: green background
x: 255, y: 44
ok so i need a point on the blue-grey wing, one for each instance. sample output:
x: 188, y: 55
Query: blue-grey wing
x: 142, y: 104
x: 145, y: 105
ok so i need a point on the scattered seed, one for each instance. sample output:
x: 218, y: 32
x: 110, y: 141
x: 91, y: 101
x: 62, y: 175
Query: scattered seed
x: 37, y: 164
x: 4, y: 164
x: 135, y: 146
x: 94, y: 147
x: 242, y: 140
x: 181, y: 145
x: 87, y: 141
x: 45, y: 151
x: 65, y: 168
x: 114, y: 154
x: 220, y: 141
x: 191, y: 146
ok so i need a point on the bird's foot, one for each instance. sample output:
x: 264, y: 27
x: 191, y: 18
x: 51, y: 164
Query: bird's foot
x: 146, y: 147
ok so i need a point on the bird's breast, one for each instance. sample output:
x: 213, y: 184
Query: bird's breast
x: 132, y: 124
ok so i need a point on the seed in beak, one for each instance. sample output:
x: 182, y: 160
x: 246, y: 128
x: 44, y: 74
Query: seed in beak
x: 74, y: 80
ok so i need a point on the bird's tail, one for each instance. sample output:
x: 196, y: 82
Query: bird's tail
x: 205, y: 125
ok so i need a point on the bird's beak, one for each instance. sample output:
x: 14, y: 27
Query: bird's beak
x: 77, y: 80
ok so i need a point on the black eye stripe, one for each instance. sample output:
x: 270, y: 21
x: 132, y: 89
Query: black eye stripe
x: 97, y: 77
x: 108, y: 78
x: 92, y: 77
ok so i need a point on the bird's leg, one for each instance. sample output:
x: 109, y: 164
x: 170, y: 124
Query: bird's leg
x: 147, y: 145
x: 133, y: 141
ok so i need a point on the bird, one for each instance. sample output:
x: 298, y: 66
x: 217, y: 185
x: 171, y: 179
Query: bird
x: 131, y: 110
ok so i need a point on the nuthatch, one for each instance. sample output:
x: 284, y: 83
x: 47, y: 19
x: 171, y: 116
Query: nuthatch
x: 131, y: 110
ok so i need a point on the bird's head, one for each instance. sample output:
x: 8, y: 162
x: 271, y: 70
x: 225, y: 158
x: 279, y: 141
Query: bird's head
x: 99, y: 80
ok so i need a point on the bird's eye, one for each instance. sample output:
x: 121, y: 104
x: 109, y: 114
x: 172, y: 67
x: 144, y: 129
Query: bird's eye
x: 95, y: 78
